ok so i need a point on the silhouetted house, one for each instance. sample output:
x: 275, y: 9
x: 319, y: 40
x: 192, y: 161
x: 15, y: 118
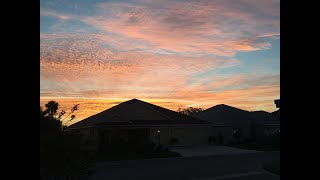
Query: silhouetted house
x: 232, y: 125
x: 229, y: 124
x: 268, y: 125
x: 259, y: 119
x: 135, y: 122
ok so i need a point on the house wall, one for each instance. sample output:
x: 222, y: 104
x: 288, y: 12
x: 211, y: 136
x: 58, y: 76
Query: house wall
x: 264, y: 131
x: 192, y: 135
x: 185, y: 135
x: 89, y: 137
x: 246, y: 131
x: 222, y: 135
x: 162, y: 137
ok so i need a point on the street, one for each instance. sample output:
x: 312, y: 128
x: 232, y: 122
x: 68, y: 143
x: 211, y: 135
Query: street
x: 229, y: 167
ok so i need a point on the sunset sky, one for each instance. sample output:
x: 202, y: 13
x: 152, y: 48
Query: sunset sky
x: 173, y: 53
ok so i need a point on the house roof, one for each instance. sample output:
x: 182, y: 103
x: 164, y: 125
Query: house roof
x: 137, y: 112
x: 275, y: 116
x: 259, y: 116
x: 225, y: 115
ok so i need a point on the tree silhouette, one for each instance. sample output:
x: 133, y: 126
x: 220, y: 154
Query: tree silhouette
x: 73, y: 109
x: 52, y: 108
x: 61, y: 154
x: 51, y: 112
x: 189, y: 110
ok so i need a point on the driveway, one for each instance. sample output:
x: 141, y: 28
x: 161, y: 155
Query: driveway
x: 229, y: 167
x: 210, y: 151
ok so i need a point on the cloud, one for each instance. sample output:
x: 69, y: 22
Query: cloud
x: 155, y: 50
x: 78, y: 66
x: 215, y: 27
x: 221, y: 28
x: 60, y: 16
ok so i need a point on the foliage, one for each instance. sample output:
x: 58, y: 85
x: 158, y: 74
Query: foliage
x: 189, y: 110
x: 52, y: 108
x: 51, y: 120
x: 61, y: 154
x: 49, y: 124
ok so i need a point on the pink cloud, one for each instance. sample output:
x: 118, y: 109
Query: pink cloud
x: 215, y: 27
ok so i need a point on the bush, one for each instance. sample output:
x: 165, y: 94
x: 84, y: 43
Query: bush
x: 61, y: 155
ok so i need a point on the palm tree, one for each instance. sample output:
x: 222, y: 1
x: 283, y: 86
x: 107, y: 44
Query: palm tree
x: 52, y: 108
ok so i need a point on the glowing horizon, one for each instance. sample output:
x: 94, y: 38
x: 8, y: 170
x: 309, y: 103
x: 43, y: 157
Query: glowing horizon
x: 175, y: 54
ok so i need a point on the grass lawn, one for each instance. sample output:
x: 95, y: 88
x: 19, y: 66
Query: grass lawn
x: 273, y: 167
x: 133, y: 156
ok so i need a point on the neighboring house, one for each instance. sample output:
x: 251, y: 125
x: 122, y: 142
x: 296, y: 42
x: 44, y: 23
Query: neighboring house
x: 136, y: 122
x: 270, y: 126
x: 232, y: 125
x: 229, y: 124
x: 259, y: 119
x: 265, y: 128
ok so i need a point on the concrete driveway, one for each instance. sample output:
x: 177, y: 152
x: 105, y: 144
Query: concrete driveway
x: 209, y: 150
x: 227, y: 167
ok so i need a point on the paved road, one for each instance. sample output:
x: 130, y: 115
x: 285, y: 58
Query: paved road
x: 228, y: 167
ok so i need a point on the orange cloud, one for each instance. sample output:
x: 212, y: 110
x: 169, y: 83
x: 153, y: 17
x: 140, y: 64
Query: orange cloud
x: 81, y: 65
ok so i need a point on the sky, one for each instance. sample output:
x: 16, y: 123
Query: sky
x: 172, y: 53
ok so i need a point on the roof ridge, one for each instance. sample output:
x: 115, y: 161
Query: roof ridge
x: 224, y: 106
